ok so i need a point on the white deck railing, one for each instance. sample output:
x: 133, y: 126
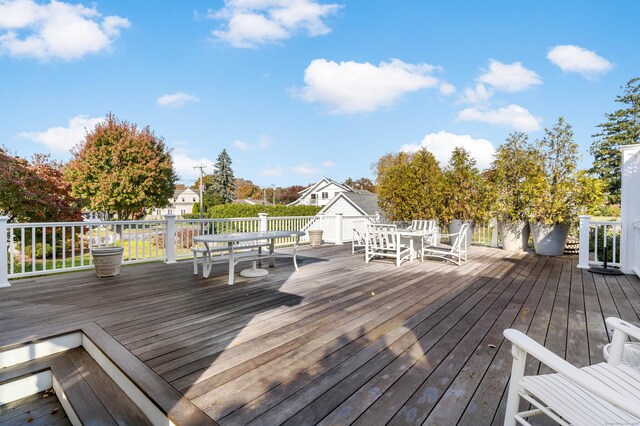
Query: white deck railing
x: 594, y: 236
x: 44, y: 248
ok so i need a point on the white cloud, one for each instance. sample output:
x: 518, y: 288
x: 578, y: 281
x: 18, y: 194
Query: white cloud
x: 183, y: 165
x: 250, y: 23
x: 306, y: 169
x: 264, y: 141
x: 328, y: 164
x: 55, y: 30
x: 273, y: 171
x: 241, y: 145
x: 62, y: 139
x: 578, y: 59
x: 509, y: 77
x: 353, y: 87
x: 477, y: 95
x: 442, y: 144
x: 176, y: 100
x: 447, y: 88
x: 512, y: 116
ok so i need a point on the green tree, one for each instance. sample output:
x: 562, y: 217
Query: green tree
x: 621, y: 128
x: 223, y: 182
x: 195, y: 209
x: 120, y: 168
x: 463, y: 190
x: 362, y: 183
x: 409, y: 185
x: 560, y: 191
x: 510, y: 178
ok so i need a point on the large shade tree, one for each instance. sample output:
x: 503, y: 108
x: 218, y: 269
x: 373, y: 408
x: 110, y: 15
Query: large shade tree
x: 122, y: 169
x: 621, y: 128
x: 409, y: 186
x: 35, y: 191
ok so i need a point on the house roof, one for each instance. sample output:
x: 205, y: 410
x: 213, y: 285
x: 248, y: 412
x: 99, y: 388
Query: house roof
x: 323, y: 183
x: 366, y: 204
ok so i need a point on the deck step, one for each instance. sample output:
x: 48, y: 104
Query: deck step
x: 42, y: 408
x: 93, y: 396
x: 37, y: 365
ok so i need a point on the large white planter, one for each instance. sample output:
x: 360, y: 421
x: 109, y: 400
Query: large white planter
x: 515, y: 235
x: 107, y: 260
x: 549, y: 240
x: 454, y: 228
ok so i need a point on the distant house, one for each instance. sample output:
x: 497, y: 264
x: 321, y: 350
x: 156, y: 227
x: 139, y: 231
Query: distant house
x: 182, y: 203
x: 320, y: 193
x: 357, y: 203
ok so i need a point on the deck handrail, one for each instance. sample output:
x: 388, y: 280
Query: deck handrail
x: 593, y: 235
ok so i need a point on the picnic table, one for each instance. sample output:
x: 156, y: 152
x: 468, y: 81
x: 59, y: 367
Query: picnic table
x: 243, y: 241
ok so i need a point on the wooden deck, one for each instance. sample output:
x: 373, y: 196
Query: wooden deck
x: 341, y: 341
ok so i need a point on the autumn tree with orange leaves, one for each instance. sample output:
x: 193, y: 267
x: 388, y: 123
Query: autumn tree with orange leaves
x: 122, y: 169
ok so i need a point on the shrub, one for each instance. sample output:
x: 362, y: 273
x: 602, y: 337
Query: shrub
x: 246, y: 210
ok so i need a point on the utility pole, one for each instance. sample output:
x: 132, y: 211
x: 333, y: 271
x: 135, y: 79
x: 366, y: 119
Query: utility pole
x: 201, y: 167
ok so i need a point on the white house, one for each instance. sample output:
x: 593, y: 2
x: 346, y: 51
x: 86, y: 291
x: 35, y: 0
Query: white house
x: 181, y: 203
x: 320, y: 193
x: 356, y: 203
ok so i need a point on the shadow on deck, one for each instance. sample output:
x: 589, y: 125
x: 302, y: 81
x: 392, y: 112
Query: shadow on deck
x: 341, y: 341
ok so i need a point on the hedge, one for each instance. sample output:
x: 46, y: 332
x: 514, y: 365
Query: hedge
x: 246, y: 210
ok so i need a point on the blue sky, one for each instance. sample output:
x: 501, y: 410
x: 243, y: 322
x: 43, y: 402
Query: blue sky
x: 298, y: 89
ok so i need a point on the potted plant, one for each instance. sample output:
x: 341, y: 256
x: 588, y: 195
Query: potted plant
x: 463, y: 193
x: 559, y: 192
x: 107, y: 260
x: 511, y: 182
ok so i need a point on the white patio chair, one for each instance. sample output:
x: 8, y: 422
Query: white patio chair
x: 456, y: 252
x: 385, y: 241
x: 599, y: 394
x: 619, y: 351
x: 358, y: 243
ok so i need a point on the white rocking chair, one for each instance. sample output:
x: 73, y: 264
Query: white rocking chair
x: 456, y: 252
x: 385, y: 241
x: 604, y: 393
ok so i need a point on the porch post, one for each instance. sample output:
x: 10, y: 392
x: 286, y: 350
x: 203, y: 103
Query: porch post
x: 262, y: 223
x: 494, y: 232
x: 4, y: 273
x: 583, y: 250
x: 339, y: 230
x: 629, y: 201
x: 170, y: 239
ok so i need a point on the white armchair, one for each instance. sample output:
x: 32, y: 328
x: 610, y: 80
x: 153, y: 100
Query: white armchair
x: 595, y: 395
x: 456, y: 252
x: 385, y: 241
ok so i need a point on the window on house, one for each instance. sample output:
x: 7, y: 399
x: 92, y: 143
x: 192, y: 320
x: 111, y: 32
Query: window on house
x: 182, y: 211
x: 175, y: 199
x: 194, y: 199
x: 325, y: 195
x: 313, y: 196
x: 183, y: 199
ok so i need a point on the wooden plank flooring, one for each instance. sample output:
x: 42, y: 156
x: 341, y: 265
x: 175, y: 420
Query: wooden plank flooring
x: 340, y: 342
